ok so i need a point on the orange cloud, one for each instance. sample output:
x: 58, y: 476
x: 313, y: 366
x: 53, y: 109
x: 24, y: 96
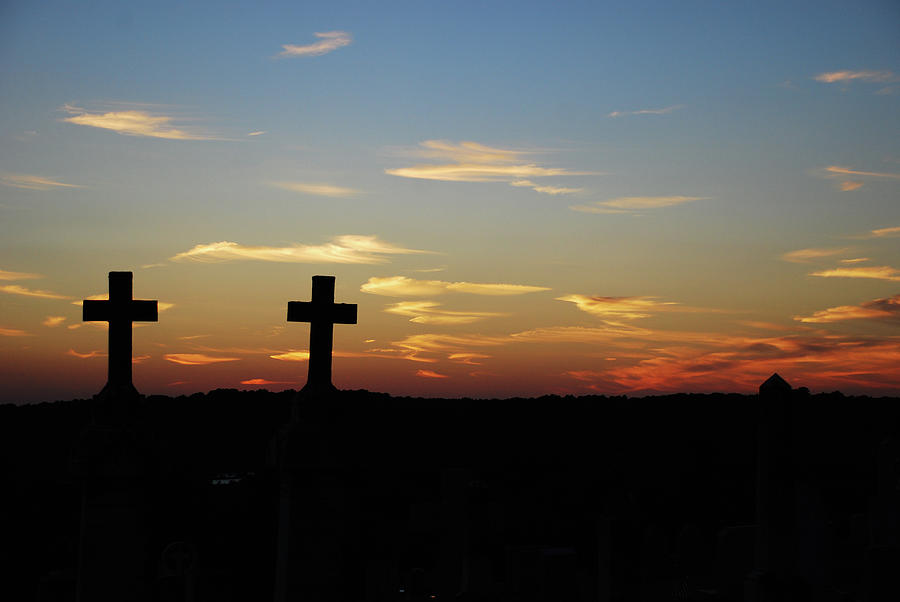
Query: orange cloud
x: 263, y: 381
x: 348, y: 248
x: 855, y: 260
x: 850, y: 185
x: 886, y: 232
x: 807, y: 255
x: 196, y: 359
x: 52, y: 321
x: 427, y: 312
x: 292, y: 356
x: 832, y: 77
x: 32, y: 182
x: 328, y: 190
x: 632, y: 204
x: 846, y: 171
x: 430, y: 374
x: 467, y: 358
x: 84, y: 356
x: 621, y: 308
x: 875, y: 272
x: 5, y: 275
x: 402, y: 286
x: 877, y: 309
x: 13, y: 332
x: 15, y: 289
x: 329, y: 41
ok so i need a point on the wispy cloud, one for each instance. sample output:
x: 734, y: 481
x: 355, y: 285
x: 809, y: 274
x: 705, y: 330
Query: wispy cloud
x: 874, y: 272
x: 886, y: 232
x: 551, y: 190
x: 474, y: 162
x: 887, y: 308
x: 13, y: 332
x: 662, y: 111
x: 33, y: 182
x: 15, y: 289
x: 52, y: 321
x: 328, y: 42
x: 618, y: 308
x: 832, y: 77
x: 428, y: 312
x: 258, y: 133
x: 837, y: 170
x: 196, y: 359
x: 85, y: 356
x: 402, y: 286
x: 349, y: 248
x: 134, y: 122
x: 6, y: 275
x: 808, y: 255
x: 855, y: 260
x: 328, y: 190
x: 263, y: 381
x: 430, y: 374
x: 634, y: 204
x: 851, y: 185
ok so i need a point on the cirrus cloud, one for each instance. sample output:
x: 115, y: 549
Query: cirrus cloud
x: 633, y: 204
x: 33, y: 182
x: 887, y: 308
x: 349, y: 248
x: 133, y: 122
x: 882, y: 272
x: 428, y: 312
x: 403, y: 286
x: 474, y: 162
x: 832, y: 77
x: 197, y: 359
x: 328, y: 42
x: 328, y: 190
x: 15, y: 289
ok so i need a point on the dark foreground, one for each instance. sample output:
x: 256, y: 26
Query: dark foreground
x: 368, y: 497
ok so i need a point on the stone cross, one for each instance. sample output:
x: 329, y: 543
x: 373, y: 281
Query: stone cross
x: 322, y: 313
x: 120, y: 311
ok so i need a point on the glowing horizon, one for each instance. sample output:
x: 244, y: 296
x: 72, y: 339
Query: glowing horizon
x: 555, y: 201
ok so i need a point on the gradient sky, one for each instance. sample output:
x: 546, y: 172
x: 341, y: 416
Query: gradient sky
x: 522, y: 197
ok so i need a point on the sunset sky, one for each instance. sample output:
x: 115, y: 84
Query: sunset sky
x: 522, y: 197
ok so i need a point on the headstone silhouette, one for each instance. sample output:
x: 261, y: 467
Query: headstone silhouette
x: 120, y: 311
x: 322, y: 313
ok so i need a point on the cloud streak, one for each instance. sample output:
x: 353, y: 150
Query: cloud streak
x: 808, y: 255
x: 328, y: 190
x: 873, y: 272
x: 329, y: 41
x: 196, y: 359
x: 837, y: 170
x: 618, y: 308
x: 402, y: 286
x: 832, y: 77
x: 133, y: 123
x: 13, y: 332
x: 662, y: 111
x: 885, y: 232
x: 474, y: 162
x: 634, y: 204
x: 6, y: 275
x: 887, y: 308
x: 33, y: 182
x: 428, y: 312
x: 15, y: 289
x: 349, y: 248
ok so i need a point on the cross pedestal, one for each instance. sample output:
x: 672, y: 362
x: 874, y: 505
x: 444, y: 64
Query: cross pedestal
x: 120, y: 311
x: 322, y: 313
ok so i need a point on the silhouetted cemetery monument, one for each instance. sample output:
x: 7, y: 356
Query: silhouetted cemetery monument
x: 351, y: 496
x: 322, y: 313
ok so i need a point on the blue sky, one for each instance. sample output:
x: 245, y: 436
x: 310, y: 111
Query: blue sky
x: 673, y: 151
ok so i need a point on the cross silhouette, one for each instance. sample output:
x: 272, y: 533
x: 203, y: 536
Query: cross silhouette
x: 120, y: 311
x: 322, y: 313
